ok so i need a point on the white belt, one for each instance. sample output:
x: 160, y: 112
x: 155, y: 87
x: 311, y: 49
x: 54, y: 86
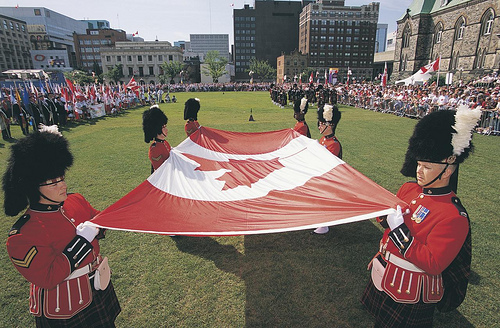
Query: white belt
x: 80, y: 272
x: 402, y: 263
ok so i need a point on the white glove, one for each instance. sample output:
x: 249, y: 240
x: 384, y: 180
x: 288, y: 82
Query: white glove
x: 395, y: 219
x: 87, y: 231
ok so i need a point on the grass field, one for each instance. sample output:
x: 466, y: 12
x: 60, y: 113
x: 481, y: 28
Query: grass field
x: 278, y: 280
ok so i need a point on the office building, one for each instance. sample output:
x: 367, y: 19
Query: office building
x: 15, y: 44
x: 339, y: 36
x: 201, y: 44
x: 88, y: 47
x: 264, y: 32
x: 49, y: 32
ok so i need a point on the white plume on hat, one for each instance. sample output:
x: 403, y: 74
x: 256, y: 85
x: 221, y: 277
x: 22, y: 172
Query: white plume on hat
x: 303, y: 103
x: 465, y: 121
x: 51, y: 128
x: 328, y: 112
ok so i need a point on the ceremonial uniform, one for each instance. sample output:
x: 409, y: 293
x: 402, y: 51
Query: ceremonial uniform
x: 300, y: 108
x: 302, y: 128
x: 328, y: 119
x: 439, y: 230
x: 191, y: 126
x: 191, y: 109
x: 159, y: 151
x: 424, y: 256
x: 36, y: 246
x: 333, y: 145
x: 154, y: 125
x: 53, y: 245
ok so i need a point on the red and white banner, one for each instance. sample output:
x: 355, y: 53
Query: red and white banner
x: 219, y: 183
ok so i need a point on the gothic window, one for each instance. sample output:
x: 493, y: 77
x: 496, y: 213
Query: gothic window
x: 406, y: 37
x: 438, y: 33
x: 454, y: 61
x: 487, y: 22
x: 460, y: 29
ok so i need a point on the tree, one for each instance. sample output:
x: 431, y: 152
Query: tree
x: 216, y: 65
x: 79, y: 77
x: 172, y: 69
x: 262, y: 69
x: 115, y: 74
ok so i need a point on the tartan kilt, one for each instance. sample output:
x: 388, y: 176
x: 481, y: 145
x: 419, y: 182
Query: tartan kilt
x: 389, y: 313
x: 102, y: 312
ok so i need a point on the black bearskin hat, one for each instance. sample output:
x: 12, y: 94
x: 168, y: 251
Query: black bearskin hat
x: 439, y: 136
x: 329, y: 114
x: 301, y: 106
x: 153, y: 120
x: 191, y: 108
x: 34, y: 160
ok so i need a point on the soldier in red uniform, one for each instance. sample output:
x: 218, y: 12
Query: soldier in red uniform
x: 52, y: 245
x: 425, y: 253
x: 328, y: 119
x: 299, y: 111
x: 154, y: 125
x: 191, y: 108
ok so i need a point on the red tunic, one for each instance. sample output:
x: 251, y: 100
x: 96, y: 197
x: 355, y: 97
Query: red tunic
x: 439, y: 244
x: 36, y: 250
x: 439, y: 236
x: 302, y: 128
x: 332, y: 144
x: 158, y: 153
x: 191, y: 127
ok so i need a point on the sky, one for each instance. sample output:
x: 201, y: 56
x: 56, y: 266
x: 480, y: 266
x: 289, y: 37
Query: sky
x: 175, y: 20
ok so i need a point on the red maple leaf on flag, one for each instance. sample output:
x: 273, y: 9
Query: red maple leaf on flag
x: 240, y: 172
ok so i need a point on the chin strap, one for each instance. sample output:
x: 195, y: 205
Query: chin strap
x: 439, y: 175
x: 50, y: 200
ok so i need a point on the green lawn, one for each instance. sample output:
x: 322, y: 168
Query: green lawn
x: 279, y: 280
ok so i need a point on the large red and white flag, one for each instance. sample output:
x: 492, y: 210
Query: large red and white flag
x: 219, y: 183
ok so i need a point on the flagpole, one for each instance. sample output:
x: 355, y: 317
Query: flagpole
x: 439, y: 68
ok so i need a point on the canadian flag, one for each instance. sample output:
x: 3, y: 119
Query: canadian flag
x: 384, y: 77
x: 432, y: 67
x: 311, y: 78
x: 219, y: 183
x: 132, y: 84
x: 136, y: 33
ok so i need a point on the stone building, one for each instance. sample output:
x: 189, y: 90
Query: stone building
x: 464, y: 33
x: 291, y: 66
x: 140, y: 59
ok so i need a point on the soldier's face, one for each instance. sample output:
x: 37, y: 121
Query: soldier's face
x: 56, y: 192
x: 426, y: 172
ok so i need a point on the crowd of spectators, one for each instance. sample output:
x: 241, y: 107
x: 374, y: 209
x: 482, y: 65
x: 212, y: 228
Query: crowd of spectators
x: 413, y: 101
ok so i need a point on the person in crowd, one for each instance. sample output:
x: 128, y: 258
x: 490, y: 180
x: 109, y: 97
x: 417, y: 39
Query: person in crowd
x: 191, y: 109
x: 424, y: 257
x: 53, y: 108
x: 52, y: 244
x: 36, y: 113
x: 61, y: 110
x: 154, y: 125
x: 21, y: 117
x: 328, y: 120
x: 300, y: 108
x: 5, y: 118
x: 46, y: 109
